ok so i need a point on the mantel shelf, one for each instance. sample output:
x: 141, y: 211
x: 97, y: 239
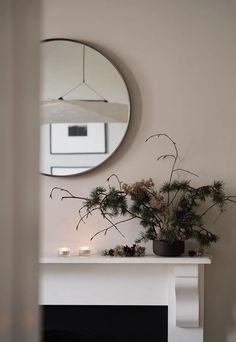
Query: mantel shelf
x: 149, y: 259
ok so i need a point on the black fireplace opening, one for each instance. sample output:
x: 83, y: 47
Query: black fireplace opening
x: 95, y: 323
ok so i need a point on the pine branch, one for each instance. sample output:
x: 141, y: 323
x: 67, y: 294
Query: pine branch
x: 155, y: 216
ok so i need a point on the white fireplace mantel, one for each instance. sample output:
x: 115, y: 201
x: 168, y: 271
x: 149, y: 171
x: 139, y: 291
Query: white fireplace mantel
x: 149, y: 259
x: 150, y: 280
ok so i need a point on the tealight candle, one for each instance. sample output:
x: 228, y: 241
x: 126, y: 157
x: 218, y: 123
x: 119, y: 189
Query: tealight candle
x: 84, y: 251
x: 63, y: 251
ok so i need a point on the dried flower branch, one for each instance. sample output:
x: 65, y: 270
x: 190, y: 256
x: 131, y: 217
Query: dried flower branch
x: 171, y: 212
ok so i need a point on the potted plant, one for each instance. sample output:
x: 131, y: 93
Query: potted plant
x: 169, y: 214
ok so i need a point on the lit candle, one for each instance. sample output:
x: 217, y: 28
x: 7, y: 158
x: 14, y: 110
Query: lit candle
x: 84, y: 251
x: 63, y: 251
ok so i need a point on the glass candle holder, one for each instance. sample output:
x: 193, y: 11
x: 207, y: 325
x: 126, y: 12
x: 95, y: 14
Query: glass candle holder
x: 84, y: 251
x: 63, y: 251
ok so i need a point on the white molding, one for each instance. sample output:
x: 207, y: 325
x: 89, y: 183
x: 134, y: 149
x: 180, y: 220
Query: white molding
x: 96, y: 259
x: 147, y: 281
x: 187, y: 296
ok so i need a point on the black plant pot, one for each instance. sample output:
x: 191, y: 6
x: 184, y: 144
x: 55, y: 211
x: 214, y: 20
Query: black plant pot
x: 168, y: 249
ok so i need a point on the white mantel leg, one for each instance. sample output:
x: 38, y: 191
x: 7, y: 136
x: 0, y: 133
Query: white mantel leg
x: 185, y: 304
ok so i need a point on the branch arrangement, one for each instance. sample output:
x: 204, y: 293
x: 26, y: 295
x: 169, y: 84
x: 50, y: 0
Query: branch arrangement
x: 174, y: 211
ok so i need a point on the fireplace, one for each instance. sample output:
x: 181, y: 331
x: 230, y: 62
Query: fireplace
x: 104, y: 286
x: 80, y: 323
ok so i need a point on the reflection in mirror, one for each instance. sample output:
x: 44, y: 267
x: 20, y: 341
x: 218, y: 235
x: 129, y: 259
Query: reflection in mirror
x: 85, y: 108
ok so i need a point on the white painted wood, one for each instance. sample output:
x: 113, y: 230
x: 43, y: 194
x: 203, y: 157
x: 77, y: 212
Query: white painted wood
x: 96, y: 259
x: 187, y: 296
x: 180, y: 334
x: 186, y: 271
x: 187, y: 302
x: 78, y: 284
x: 19, y: 36
x: 95, y: 281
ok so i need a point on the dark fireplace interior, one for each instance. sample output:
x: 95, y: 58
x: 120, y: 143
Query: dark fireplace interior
x: 89, y: 323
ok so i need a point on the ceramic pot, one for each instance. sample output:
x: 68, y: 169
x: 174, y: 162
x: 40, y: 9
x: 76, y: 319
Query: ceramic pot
x: 168, y: 249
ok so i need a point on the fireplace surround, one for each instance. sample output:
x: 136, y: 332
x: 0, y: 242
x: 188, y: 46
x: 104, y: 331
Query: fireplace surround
x: 147, y: 281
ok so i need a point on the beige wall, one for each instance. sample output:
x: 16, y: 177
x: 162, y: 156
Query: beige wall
x: 178, y: 58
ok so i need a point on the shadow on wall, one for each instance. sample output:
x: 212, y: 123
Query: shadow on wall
x: 220, y: 283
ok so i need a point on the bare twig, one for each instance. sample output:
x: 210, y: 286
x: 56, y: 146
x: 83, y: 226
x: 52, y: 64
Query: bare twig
x: 164, y: 156
x: 229, y: 199
x: 174, y: 197
x: 217, y: 217
x: 158, y: 135
x: 209, y: 208
x: 117, y: 178
x: 113, y: 224
x: 175, y: 158
x: 191, y: 173
x: 88, y: 212
x: 67, y: 191
x: 105, y: 230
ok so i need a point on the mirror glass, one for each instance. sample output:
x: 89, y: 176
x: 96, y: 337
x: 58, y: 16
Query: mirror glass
x: 85, y: 108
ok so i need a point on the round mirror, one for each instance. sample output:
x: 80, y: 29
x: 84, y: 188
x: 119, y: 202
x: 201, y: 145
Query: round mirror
x: 85, y: 108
